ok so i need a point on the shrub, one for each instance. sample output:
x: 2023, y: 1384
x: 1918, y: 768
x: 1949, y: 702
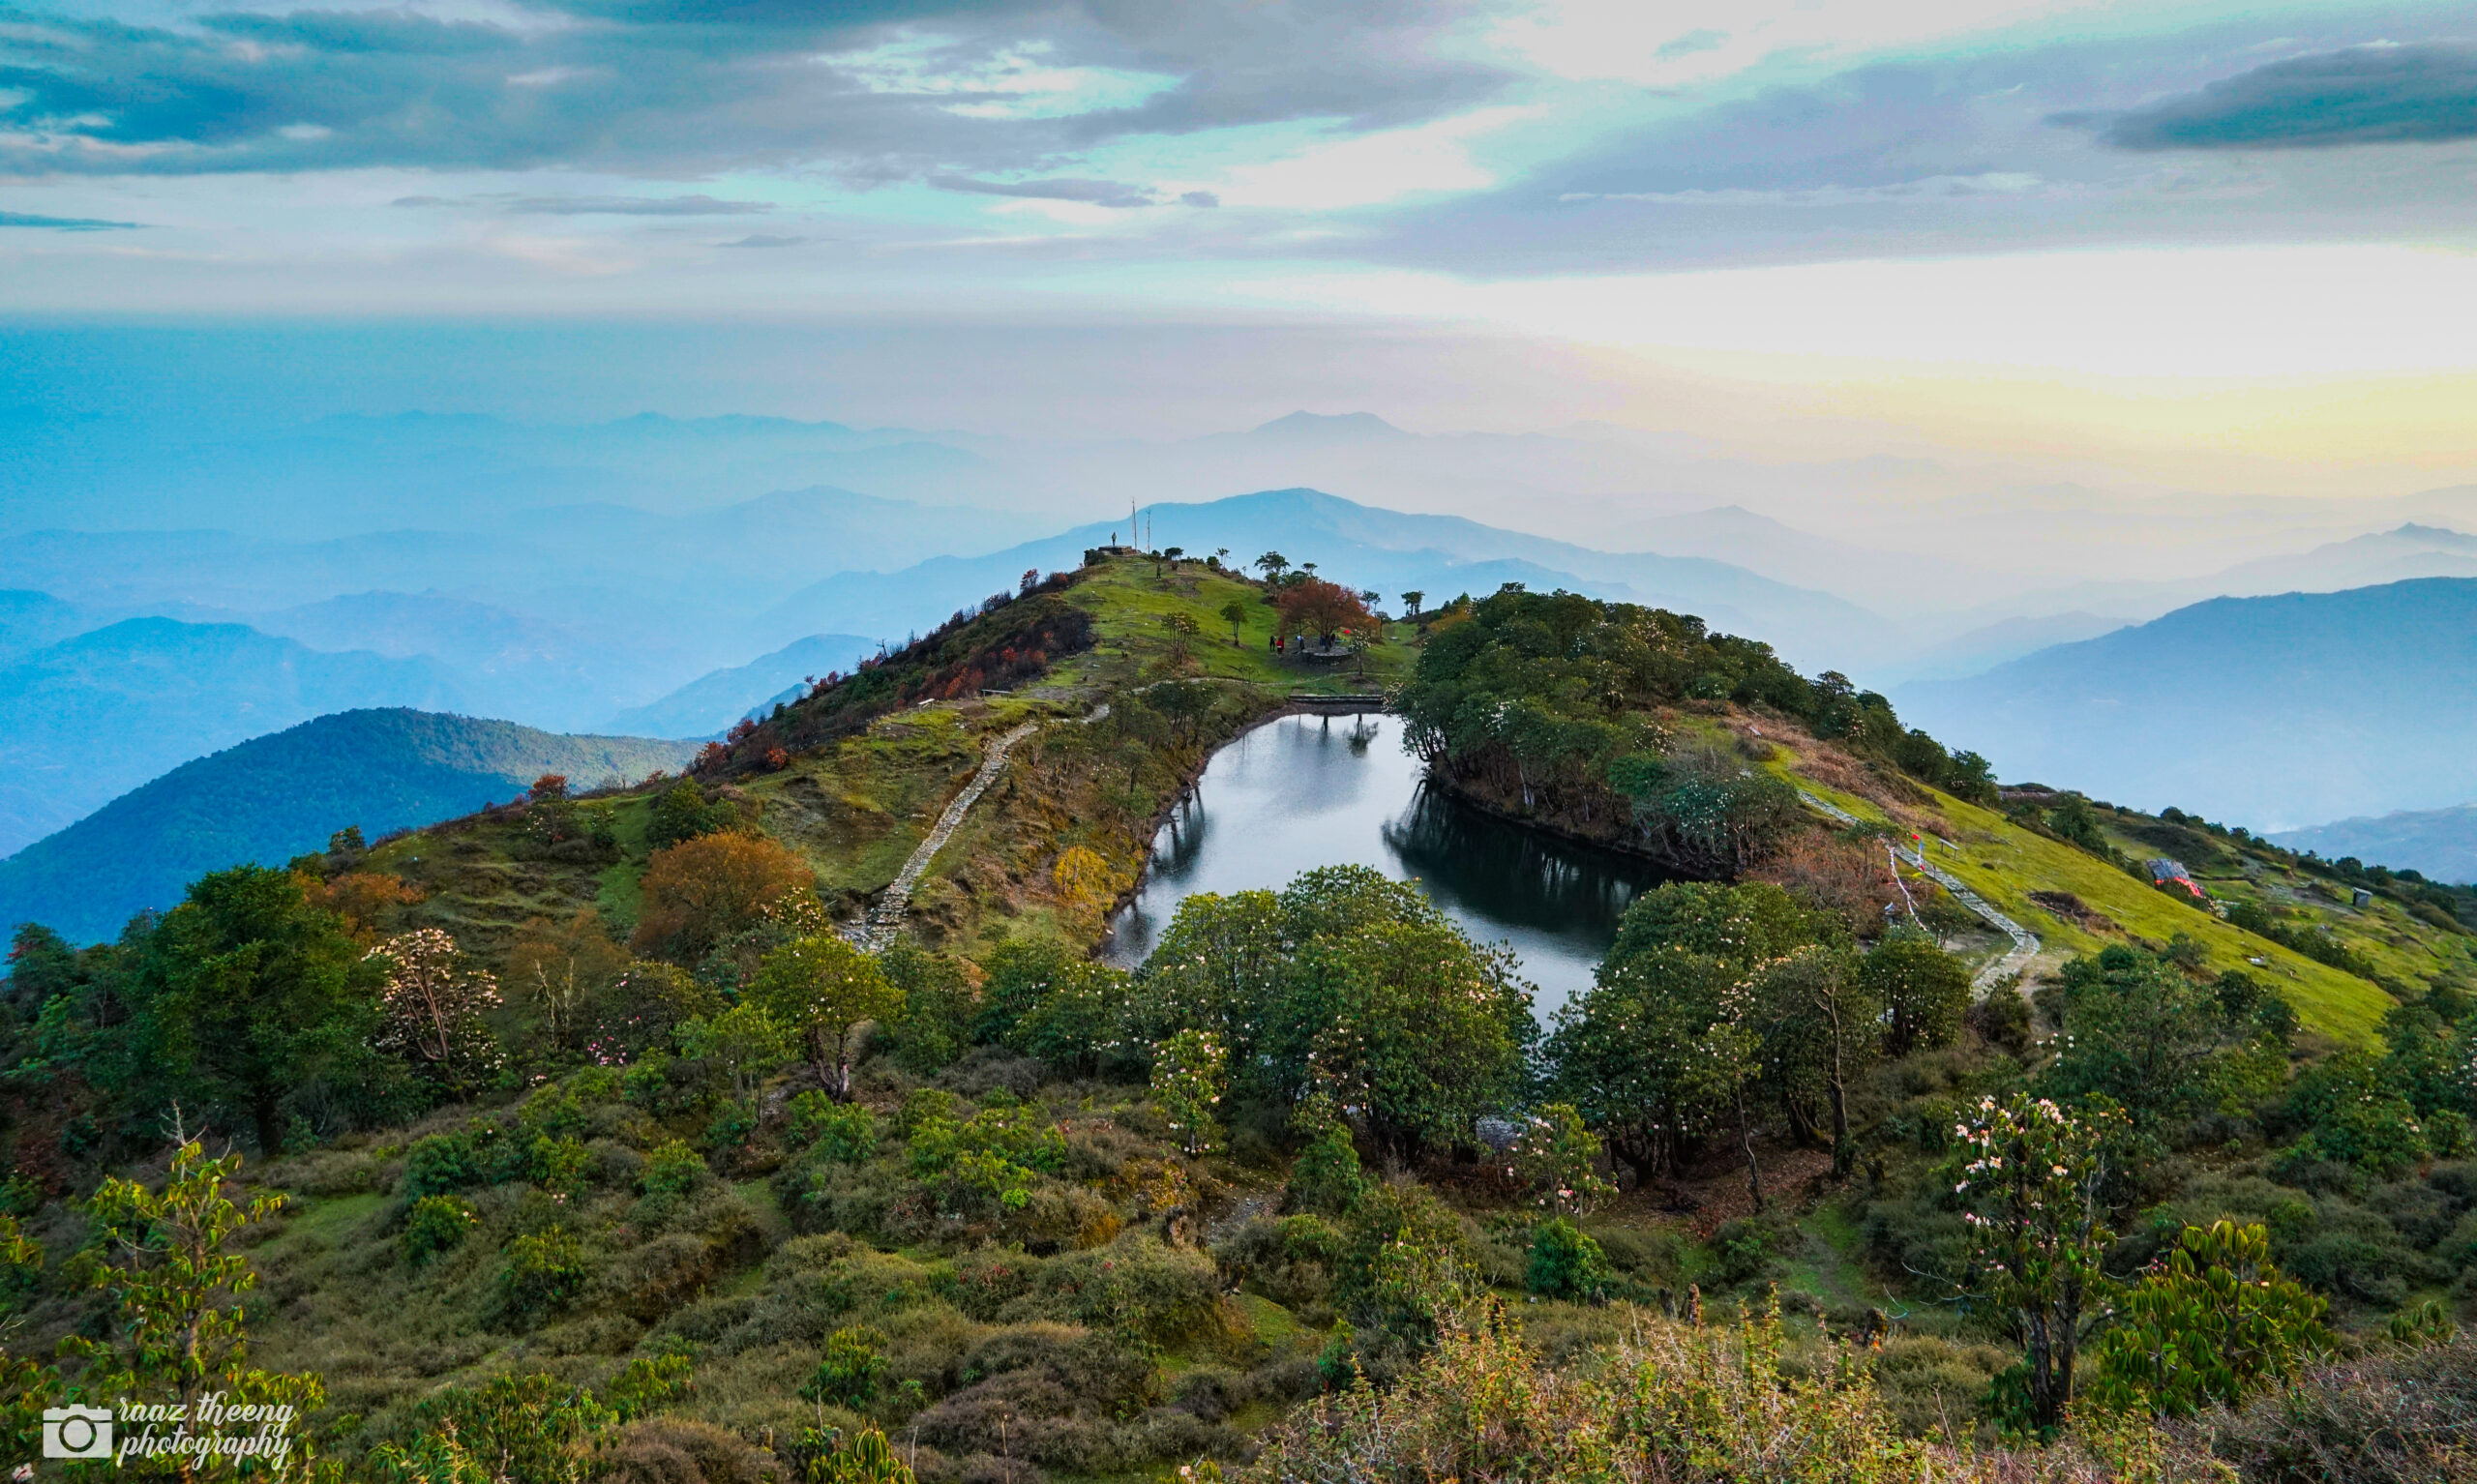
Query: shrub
x: 851, y: 1371
x: 439, y: 1163
x: 545, y: 1272
x: 671, y: 1170
x: 1565, y: 1263
x: 2212, y: 1322
x: 435, y: 1224
x: 1326, y: 1177
x: 844, y: 1133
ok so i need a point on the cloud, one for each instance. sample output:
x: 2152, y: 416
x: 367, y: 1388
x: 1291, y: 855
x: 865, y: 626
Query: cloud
x: 764, y: 240
x: 1092, y: 192
x: 1702, y: 38
x: 594, y: 205
x: 1199, y: 198
x: 2423, y: 93
x: 867, y: 92
x: 65, y: 224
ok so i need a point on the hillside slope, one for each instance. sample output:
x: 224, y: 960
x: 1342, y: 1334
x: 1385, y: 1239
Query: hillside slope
x: 2272, y: 712
x: 275, y: 797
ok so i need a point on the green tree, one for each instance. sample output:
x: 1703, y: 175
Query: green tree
x: 746, y: 1042
x: 1821, y: 1026
x: 2026, y: 1174
x: 2209, y: 1324
x: 823, y: 989
x: 1923, y: 990
x: 248, y: 994
x: 1659, y: 1053
x: 1411, y: 602
x: 1234, y: 613
x: 163, y: 1258
x: 2353, y: 1114
x: 1191, y: 1072
x: 2156, y: 1041
x: 681, y: 813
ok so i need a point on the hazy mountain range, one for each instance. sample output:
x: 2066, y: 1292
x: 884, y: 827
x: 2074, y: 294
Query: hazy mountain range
x: 614, y: 576
x: 2270, y: 712
x: 2441, y: 842
x: 279, y: 796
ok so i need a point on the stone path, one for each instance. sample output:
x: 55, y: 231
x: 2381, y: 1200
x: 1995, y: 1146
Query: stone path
x: 2025, y: 943
x: 876, y: 932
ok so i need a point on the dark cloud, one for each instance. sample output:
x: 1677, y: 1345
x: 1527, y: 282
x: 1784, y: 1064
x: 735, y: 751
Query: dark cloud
x: 1199, y: 198
x: 2364, y: 95
x: 65, y: 224
x: 686, y: 87
x: 1095, y: 193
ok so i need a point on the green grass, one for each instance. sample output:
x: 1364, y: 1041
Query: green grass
x: 2005, y: 863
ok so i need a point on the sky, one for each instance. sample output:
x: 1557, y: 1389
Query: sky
x: 2221, y: 247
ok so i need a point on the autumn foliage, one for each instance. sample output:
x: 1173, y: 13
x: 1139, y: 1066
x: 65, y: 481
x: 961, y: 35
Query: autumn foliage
x: 702, y: 891
x: 1314, y: 605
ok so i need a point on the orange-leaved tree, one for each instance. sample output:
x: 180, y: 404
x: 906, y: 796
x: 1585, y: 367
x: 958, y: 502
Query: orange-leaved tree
x: 704, y: 890
x: 1323, y: 609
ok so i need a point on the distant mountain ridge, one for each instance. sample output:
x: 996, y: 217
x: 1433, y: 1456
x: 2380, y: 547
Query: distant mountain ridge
x: 2441, y: 842
x: 2267, y: 712
x: 100, y: 712
x: 274, y: 797
x: 1360, y: 546
x: 709, y: 705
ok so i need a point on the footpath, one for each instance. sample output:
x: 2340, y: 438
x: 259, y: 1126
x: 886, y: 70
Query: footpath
x: 2025, y: 943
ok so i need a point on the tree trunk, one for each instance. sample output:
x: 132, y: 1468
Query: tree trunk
x: 263, y: 1111
x: 1746, y: 1133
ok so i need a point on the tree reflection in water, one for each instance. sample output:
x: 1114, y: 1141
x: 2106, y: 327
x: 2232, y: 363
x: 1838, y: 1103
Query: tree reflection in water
x: 1308, y: 792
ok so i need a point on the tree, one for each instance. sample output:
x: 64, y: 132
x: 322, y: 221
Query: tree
x: 699, y: 892
x: 431, y: 1006
x: 1323, y: 609
x: 164, y: 1259
x: 1234, y: 613
x: 1183, y: 627
x: 248, y: 994
x: 823, y: 989
x: 1659, y: 1053
x: 747, y: 1043
x: 1411, y: 602
x: 681, y: 813
x: 2156, y: 1041
x: 1822, y: 1027
x: 1191, y: 1072
x: 561, y: 968
x: 1923, y: 989
x: 2212, y: 1322
x: 2026, y: 1176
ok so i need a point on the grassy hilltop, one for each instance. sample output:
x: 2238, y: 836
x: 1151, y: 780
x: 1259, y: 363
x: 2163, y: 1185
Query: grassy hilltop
x: 598, y: 1148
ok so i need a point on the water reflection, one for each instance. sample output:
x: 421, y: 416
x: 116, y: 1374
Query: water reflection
x: 1306, y: 791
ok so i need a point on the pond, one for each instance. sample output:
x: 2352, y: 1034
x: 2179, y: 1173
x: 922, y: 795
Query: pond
x: 1306, y: 791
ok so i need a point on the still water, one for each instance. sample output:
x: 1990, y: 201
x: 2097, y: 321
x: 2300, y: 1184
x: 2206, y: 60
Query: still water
x: 1306, y: 791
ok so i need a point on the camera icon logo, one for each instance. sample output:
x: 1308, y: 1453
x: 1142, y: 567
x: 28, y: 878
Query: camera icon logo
x: 76, y: 1431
